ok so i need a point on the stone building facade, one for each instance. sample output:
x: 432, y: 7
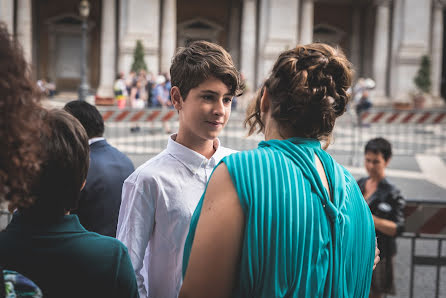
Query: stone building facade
x: 384, y: 39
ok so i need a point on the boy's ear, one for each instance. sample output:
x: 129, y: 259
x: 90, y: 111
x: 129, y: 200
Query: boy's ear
x: 176, y: 98
x: 264, y: 101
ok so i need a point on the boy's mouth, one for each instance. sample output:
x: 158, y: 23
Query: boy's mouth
x: 215, y: 123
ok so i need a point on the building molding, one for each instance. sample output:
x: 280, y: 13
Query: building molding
x: 323, y: 29
x: 198, y: 28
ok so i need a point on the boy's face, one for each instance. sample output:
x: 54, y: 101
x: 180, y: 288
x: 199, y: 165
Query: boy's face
x: 375, y: 164
x: 205, y: 111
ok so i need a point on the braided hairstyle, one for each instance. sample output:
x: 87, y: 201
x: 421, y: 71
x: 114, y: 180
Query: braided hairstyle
x: 20, y: 124
x: 308, y: 91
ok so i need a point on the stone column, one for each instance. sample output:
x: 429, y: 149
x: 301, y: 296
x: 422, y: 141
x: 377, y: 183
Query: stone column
x: 234, y: 32
x: 168, y: 34
x: 279, y: 21
x: 108, y: 43
x: 139, y: 20
x: 411, y: 31
x: 307, y: 22
x: 381, y: 47
x: 248, y: 43
x: 437, y: 46
x: 355, y: 44
x: 7, y: 13
x: 24, y: 27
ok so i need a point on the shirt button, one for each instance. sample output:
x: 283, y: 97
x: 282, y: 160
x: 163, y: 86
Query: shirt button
x: 323, y: 205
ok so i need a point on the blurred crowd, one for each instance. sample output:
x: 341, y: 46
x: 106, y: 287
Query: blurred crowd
x: 142, y: 89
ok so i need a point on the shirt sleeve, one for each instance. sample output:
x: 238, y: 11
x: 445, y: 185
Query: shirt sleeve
x: 399, y: 203
x: 135, y: 225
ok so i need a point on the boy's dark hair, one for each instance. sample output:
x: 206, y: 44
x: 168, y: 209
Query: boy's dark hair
x: 379, y: 145
x: 308, y: 91
x: 194, y: 64
x: 65, y: 154
x: 88, y: 115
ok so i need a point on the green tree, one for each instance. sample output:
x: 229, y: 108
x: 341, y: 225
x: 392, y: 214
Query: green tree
x: 423, y: 78
x: 138, y: 58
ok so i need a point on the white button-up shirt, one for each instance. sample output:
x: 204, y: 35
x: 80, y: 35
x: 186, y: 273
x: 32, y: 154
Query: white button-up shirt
x: 158, y: 201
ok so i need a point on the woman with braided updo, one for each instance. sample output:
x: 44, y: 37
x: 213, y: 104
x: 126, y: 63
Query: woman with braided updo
x: 285, y: 220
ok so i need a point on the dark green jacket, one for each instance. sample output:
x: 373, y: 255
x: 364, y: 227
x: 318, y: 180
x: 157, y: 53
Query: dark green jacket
x: 65, y: 260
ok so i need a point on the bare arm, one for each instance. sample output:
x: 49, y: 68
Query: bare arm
x: 385, y: 226
x: 217, y: 245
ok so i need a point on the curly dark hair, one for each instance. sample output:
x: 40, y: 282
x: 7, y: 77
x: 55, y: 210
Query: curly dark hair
x: 20, y: 123
x: 194, y: 64
x: 308, y: 91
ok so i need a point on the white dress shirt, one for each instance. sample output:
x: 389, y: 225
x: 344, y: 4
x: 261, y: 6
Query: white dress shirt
x: 158, y: 201
x: 94, y: 140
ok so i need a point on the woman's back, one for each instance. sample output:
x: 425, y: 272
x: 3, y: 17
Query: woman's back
x: 298, y: 243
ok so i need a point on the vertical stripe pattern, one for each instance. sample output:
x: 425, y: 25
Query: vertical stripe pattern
x: 298, y: 242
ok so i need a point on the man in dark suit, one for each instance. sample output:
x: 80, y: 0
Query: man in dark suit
x: 101, y: 197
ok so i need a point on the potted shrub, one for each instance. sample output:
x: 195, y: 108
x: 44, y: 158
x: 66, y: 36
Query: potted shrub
x: 423, y: 83
x: 138, y: 58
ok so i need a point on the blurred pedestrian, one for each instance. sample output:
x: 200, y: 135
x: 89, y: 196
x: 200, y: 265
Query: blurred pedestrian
x: 387, y: 205
x: 120, y: 90
x: 100, y: 199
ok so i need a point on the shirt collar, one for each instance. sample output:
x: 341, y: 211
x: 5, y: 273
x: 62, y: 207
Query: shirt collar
x: 94, y: 140
x: 64, y: 224
x: 191, y: 159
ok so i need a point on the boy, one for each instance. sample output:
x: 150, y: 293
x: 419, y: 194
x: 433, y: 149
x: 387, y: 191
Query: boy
x: 159, y: 198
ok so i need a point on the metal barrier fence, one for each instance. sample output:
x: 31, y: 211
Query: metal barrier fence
x: 410, y: 132
x: 425, y: 220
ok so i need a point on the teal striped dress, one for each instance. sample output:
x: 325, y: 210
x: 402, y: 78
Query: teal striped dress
x: 298, y: 242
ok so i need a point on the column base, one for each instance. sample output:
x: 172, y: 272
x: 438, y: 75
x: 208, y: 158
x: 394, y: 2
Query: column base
x: 105, y: 91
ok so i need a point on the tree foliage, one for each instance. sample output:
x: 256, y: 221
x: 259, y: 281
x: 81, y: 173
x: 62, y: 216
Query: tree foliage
x: 423, y: 78
x: 138, y: 58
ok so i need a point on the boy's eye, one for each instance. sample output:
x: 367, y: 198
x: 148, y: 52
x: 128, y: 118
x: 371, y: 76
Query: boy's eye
x: 208, y: 97
x: 227, y: 99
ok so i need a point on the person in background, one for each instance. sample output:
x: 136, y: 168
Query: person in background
x: 160, y: 95
x: 285, y: 219
x: 149, y: 89
x: 161, y: 98
x: 48, y: 244
x: 120, y: 90
x: 100, y: 199
x: 158, y: 199
x: 387, y: 206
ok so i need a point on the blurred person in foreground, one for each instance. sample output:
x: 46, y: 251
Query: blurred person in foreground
x: 387, y: 206
x: 20, y: 124
x: 48, y: 244
x: 285, y: 219
x: 100, y: 199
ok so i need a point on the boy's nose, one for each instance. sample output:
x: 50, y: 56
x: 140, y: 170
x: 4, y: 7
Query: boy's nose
x: 219, y: 108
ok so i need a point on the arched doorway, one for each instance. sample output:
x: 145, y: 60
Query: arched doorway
x: 58, y: 42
